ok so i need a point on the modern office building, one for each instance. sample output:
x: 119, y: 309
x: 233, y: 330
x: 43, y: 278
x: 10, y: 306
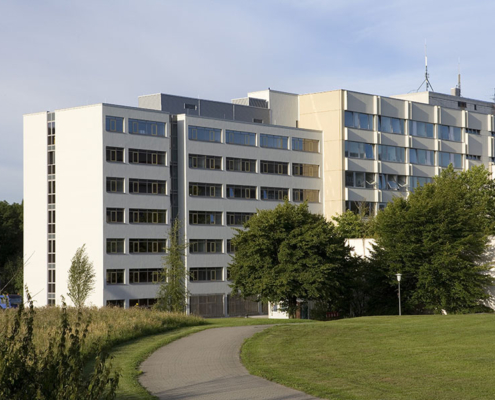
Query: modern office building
x: 114, y: 177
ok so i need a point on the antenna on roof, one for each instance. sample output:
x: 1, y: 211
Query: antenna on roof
x: 457, y: 90
x: 427, y: 75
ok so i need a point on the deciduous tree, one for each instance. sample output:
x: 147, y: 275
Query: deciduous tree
x: 81, y: 281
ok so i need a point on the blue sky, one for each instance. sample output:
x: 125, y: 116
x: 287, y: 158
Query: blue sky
x: 58, y: 54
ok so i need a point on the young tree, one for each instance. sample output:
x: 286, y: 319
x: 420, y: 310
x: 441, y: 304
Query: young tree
x: 81, y: 280
x: 437, y: 238
x: 172, y: 295
x: 288, y: 253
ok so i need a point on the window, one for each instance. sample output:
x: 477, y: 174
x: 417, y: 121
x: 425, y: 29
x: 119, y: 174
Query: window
x: 115, y: 276
x: 273, y: 141
x: 418, y: 181
x: 310, y: 170
x: 391, y: 125
x: 421, y: 129
x: 257, y: 121
x: 392, y: 182
x: 51, y: 192
x: 423, y: 157
x: 205, y: 274
x: 145, y: 216
x: 205, y: 189
x: 114, y: 124
x: 365, y: 208
x: 358, y: 120
x: 242, y: 138
x: 51, y: 162
x: 149, y: 128
x: 190, y: 106
x: 205, y: 246
x: 148, y: 157
x: 115, y: 215
x: 309, y: 195
x: 115, y: 154
x: 116, y: 303
x: 274, y: 167
x: 241, y: 192
x: 51, y: 221
x: 445, y: 159
x: 205, y: 218
x: 201, y: 161
x: 115, y: 246
x: 230, y: 246
x: 145, y: 275
x: 144, y: 186
x: 473, y: 131
x: 359, y: 150
x: 238, y: 219
x: 147, y: 245
x: 205, y: 134
x: 51, y: 133
x: 241, y: 165
x: 274, y: 193
x: 473, y: 157
x: 309, y: 145
x: 360, y: 179
x: 449, y: 133
x: 391, y: 153
x: 115, y: 185
x: 145, y: 303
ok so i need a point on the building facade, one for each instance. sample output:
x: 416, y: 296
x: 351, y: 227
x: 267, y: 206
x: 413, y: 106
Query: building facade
x: 114, y: 177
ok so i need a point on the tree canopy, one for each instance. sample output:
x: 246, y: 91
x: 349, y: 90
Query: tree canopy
x: 437, y: 239
x: 11, y: 251
x: 288, y: 253
x: 81, y: 281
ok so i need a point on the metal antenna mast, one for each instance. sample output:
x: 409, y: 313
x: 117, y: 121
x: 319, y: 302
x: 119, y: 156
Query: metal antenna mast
x: 427, y: 75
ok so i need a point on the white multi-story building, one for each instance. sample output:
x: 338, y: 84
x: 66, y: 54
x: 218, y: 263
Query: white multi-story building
x: 114, y: 178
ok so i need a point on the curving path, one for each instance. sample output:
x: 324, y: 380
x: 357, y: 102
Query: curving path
x: 207, y: 366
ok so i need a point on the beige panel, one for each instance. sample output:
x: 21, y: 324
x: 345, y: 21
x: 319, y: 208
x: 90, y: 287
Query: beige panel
x: 394, y: 168
x: 354, y: 194
x: 393, y: 107
x: 358, y: 135
x: 360, y: 102
x: 423, y: 113
x: 391, y: 139
x: 452, y: 147
x: 422, y: 143
x: 355, y: 164
x: 478, y: 121
x: 475, y: 144
x: 451, y: 117
x: 423, y: 170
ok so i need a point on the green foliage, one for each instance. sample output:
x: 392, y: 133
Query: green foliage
x: 352, y: 225
x: 11, y: 239
x: 172, y: 295
x: 81, y: 281
x: 13, y: 276
x: 437, y: 239
x: 289, y: 253
x: 57, y: 372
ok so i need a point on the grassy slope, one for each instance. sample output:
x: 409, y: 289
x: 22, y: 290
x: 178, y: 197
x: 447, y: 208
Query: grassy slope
x: 408, y: 357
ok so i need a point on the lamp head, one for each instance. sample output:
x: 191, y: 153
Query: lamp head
x: 398, y: 277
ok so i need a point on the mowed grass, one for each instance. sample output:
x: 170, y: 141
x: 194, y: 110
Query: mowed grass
x: 408, y: 357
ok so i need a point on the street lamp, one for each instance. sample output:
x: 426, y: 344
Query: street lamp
x: 398, y: 280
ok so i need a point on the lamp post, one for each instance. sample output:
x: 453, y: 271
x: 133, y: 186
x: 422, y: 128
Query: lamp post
x: 398, y: 280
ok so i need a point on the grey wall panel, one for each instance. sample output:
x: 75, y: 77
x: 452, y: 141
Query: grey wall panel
x: 248, y: 114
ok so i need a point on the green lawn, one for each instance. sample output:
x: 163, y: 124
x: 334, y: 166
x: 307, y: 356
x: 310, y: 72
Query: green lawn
x: 408, y: 357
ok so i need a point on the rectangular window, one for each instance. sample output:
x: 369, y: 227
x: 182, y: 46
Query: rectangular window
x: 147, y: 157
x: 452, y: 133
x: 359, y: 150
x: 365, y: 208
x: 309, y: 170
x: 392, y: 182
x: 274, y: 193
x: 309, y: 145
x: 51, y: 133
x: 144, y: 303
x: 201, y: 161
x: 473, y: 157
x: 358, y: 120
x: 115, y: 185
x: 422, y: 157
x: 114, y: 124
x: 147, y: 216
x: 148, y: 128
x: 241, y: 165
x: 390, y: 125
x: 241, y: 192
x: 421, y: 129
x: 391, y: 153
x: 205, y: 274
x: 205, y: 218
x: 238, y: 219
x: 418, y: 181
x: 274, y: 167
x: 115, y: 246
x: 230, y: 246
x: 445, y: 159
x: 115, y: 215
x: 147, y: 245
x: 360, y: 179
x: 144, y: 186
x: 115, y: 154
x: 115, y: 276
x: 145, y: 275
x: 241, y: 138
x: 116, y: 303
x: 205, y: 134
x: 205, y: 189
x: 205, y: 246
x: 274, y: 141
x: 309, y: 195
x: 473, y: 131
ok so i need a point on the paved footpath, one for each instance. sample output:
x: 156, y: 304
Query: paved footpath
x: 206, y: 365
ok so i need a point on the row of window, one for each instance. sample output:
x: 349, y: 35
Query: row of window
x: 370, y: 180
x: 137, y: 216
x: 397, y: 154
x: 214, y: 135
x: 198, y: 189
x: 200, y: 161
x: 136, y: 126
x: 136, y: 156
x: 396, y: 125
x: 156, y: 246
x: 137, y: 186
